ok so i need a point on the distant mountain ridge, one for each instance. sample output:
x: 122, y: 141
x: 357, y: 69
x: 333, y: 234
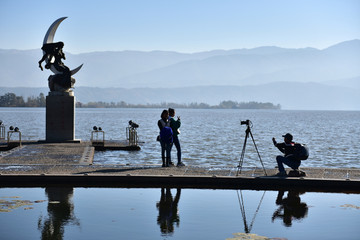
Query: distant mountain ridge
x: 239, y: 67
x: 305, y: 78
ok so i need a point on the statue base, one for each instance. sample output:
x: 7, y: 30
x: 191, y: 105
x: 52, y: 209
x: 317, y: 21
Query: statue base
x: 60, y: 117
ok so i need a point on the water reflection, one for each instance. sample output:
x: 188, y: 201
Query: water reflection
x: 60, y: 213
x: 247, y: 227
x: 290, y: 207
x: 168, y: 210
x: 271, y: 213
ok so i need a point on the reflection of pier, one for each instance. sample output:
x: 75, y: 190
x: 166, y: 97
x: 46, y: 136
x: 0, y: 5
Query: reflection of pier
x: 46, y: 164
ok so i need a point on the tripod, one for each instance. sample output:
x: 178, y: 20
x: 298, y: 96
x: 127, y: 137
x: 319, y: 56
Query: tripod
x: 247, y: 132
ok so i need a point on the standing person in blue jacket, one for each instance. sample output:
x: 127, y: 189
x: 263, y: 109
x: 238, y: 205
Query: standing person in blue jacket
x: 175, y: 125
x: 166, y: 138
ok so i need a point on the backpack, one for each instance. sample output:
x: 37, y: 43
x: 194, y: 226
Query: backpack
x: 166, y: 134
x: 302, y: 151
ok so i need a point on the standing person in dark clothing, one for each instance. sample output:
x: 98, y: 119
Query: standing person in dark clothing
x: 166, y: 138
x: 175, y: 125
x: 290, y: 158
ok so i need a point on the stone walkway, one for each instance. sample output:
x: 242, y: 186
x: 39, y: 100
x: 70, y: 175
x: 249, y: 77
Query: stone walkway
x: 75, y: 159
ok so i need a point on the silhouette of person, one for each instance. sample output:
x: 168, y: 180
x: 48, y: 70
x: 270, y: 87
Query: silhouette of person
x: 168, y: 210
x: 175, y: 125
x: 290, y: 207
x: 52, y: 50
x: 288, y: 148
x: 54, y: 54
x: 166, y: 138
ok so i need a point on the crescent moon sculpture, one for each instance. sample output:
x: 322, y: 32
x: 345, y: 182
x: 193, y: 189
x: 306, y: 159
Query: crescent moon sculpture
x: 62, y: 80
x: 49, y: 38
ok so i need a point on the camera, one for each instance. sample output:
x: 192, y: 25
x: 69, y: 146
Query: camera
x: 246, y: 122
x: 133, y: 125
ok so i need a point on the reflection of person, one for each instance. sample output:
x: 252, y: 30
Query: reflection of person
x: 166, y: 138
x: 168, y: 210
x: 175, y: 125
x: 289, y: 158
x: 291, y: 206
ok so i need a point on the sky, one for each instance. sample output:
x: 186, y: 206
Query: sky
x: 179, y: 25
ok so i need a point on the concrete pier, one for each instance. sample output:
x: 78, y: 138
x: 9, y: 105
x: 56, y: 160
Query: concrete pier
x: 54, y: 164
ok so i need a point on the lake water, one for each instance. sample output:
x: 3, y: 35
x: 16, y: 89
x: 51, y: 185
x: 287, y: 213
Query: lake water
x: 116, y: 213
x: 212, y: 137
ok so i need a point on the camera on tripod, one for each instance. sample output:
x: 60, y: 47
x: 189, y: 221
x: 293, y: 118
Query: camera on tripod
x: 246, y: 122
x: 248, y: 133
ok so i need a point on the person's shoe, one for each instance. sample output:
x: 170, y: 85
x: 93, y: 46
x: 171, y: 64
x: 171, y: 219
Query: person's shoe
x: 281, y: 174
x: 180, y: 164
x: 163, y: 165
x: 171, y: 164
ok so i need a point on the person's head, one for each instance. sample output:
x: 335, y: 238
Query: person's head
x: 171, y: 112
x: 288, y: 138
x: 164, y: 115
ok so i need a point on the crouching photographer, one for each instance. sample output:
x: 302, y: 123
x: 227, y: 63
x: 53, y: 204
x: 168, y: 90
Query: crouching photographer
x: 293, y: 154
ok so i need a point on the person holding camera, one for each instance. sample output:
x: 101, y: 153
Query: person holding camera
x: 290, y: 157
x: 175, y: 125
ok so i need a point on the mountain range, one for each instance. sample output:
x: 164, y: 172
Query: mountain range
x: 305, y: 78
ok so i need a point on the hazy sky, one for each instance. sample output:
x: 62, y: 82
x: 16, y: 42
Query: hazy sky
x: 179, y: 25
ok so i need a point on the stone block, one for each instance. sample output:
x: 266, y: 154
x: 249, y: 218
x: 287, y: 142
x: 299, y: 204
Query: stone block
x: 60, y: 118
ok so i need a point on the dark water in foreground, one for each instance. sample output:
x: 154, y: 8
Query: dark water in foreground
x: 116, y: 213
x: 213, y: 137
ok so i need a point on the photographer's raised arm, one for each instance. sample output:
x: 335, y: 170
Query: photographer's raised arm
x: 280, y: 146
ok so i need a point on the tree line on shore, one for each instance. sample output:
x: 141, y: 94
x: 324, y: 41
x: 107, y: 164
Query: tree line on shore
x: 11, y: 100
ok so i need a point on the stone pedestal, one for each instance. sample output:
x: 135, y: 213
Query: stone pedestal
x: 60, y: 117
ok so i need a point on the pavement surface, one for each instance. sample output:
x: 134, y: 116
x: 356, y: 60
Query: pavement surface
x: 50, y: 160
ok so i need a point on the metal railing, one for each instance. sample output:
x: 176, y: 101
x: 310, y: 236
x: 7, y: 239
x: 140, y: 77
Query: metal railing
x: 97, y: 137
x: 2, y: 131
x: 11, y: 141
x: 131, y: 136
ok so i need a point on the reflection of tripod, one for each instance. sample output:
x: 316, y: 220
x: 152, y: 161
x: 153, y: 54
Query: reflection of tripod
x: 247, y: 131
x: 248, y: 228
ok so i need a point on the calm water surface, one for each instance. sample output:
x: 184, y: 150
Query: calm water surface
x: 115, y: 213
x: 213, y: 137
